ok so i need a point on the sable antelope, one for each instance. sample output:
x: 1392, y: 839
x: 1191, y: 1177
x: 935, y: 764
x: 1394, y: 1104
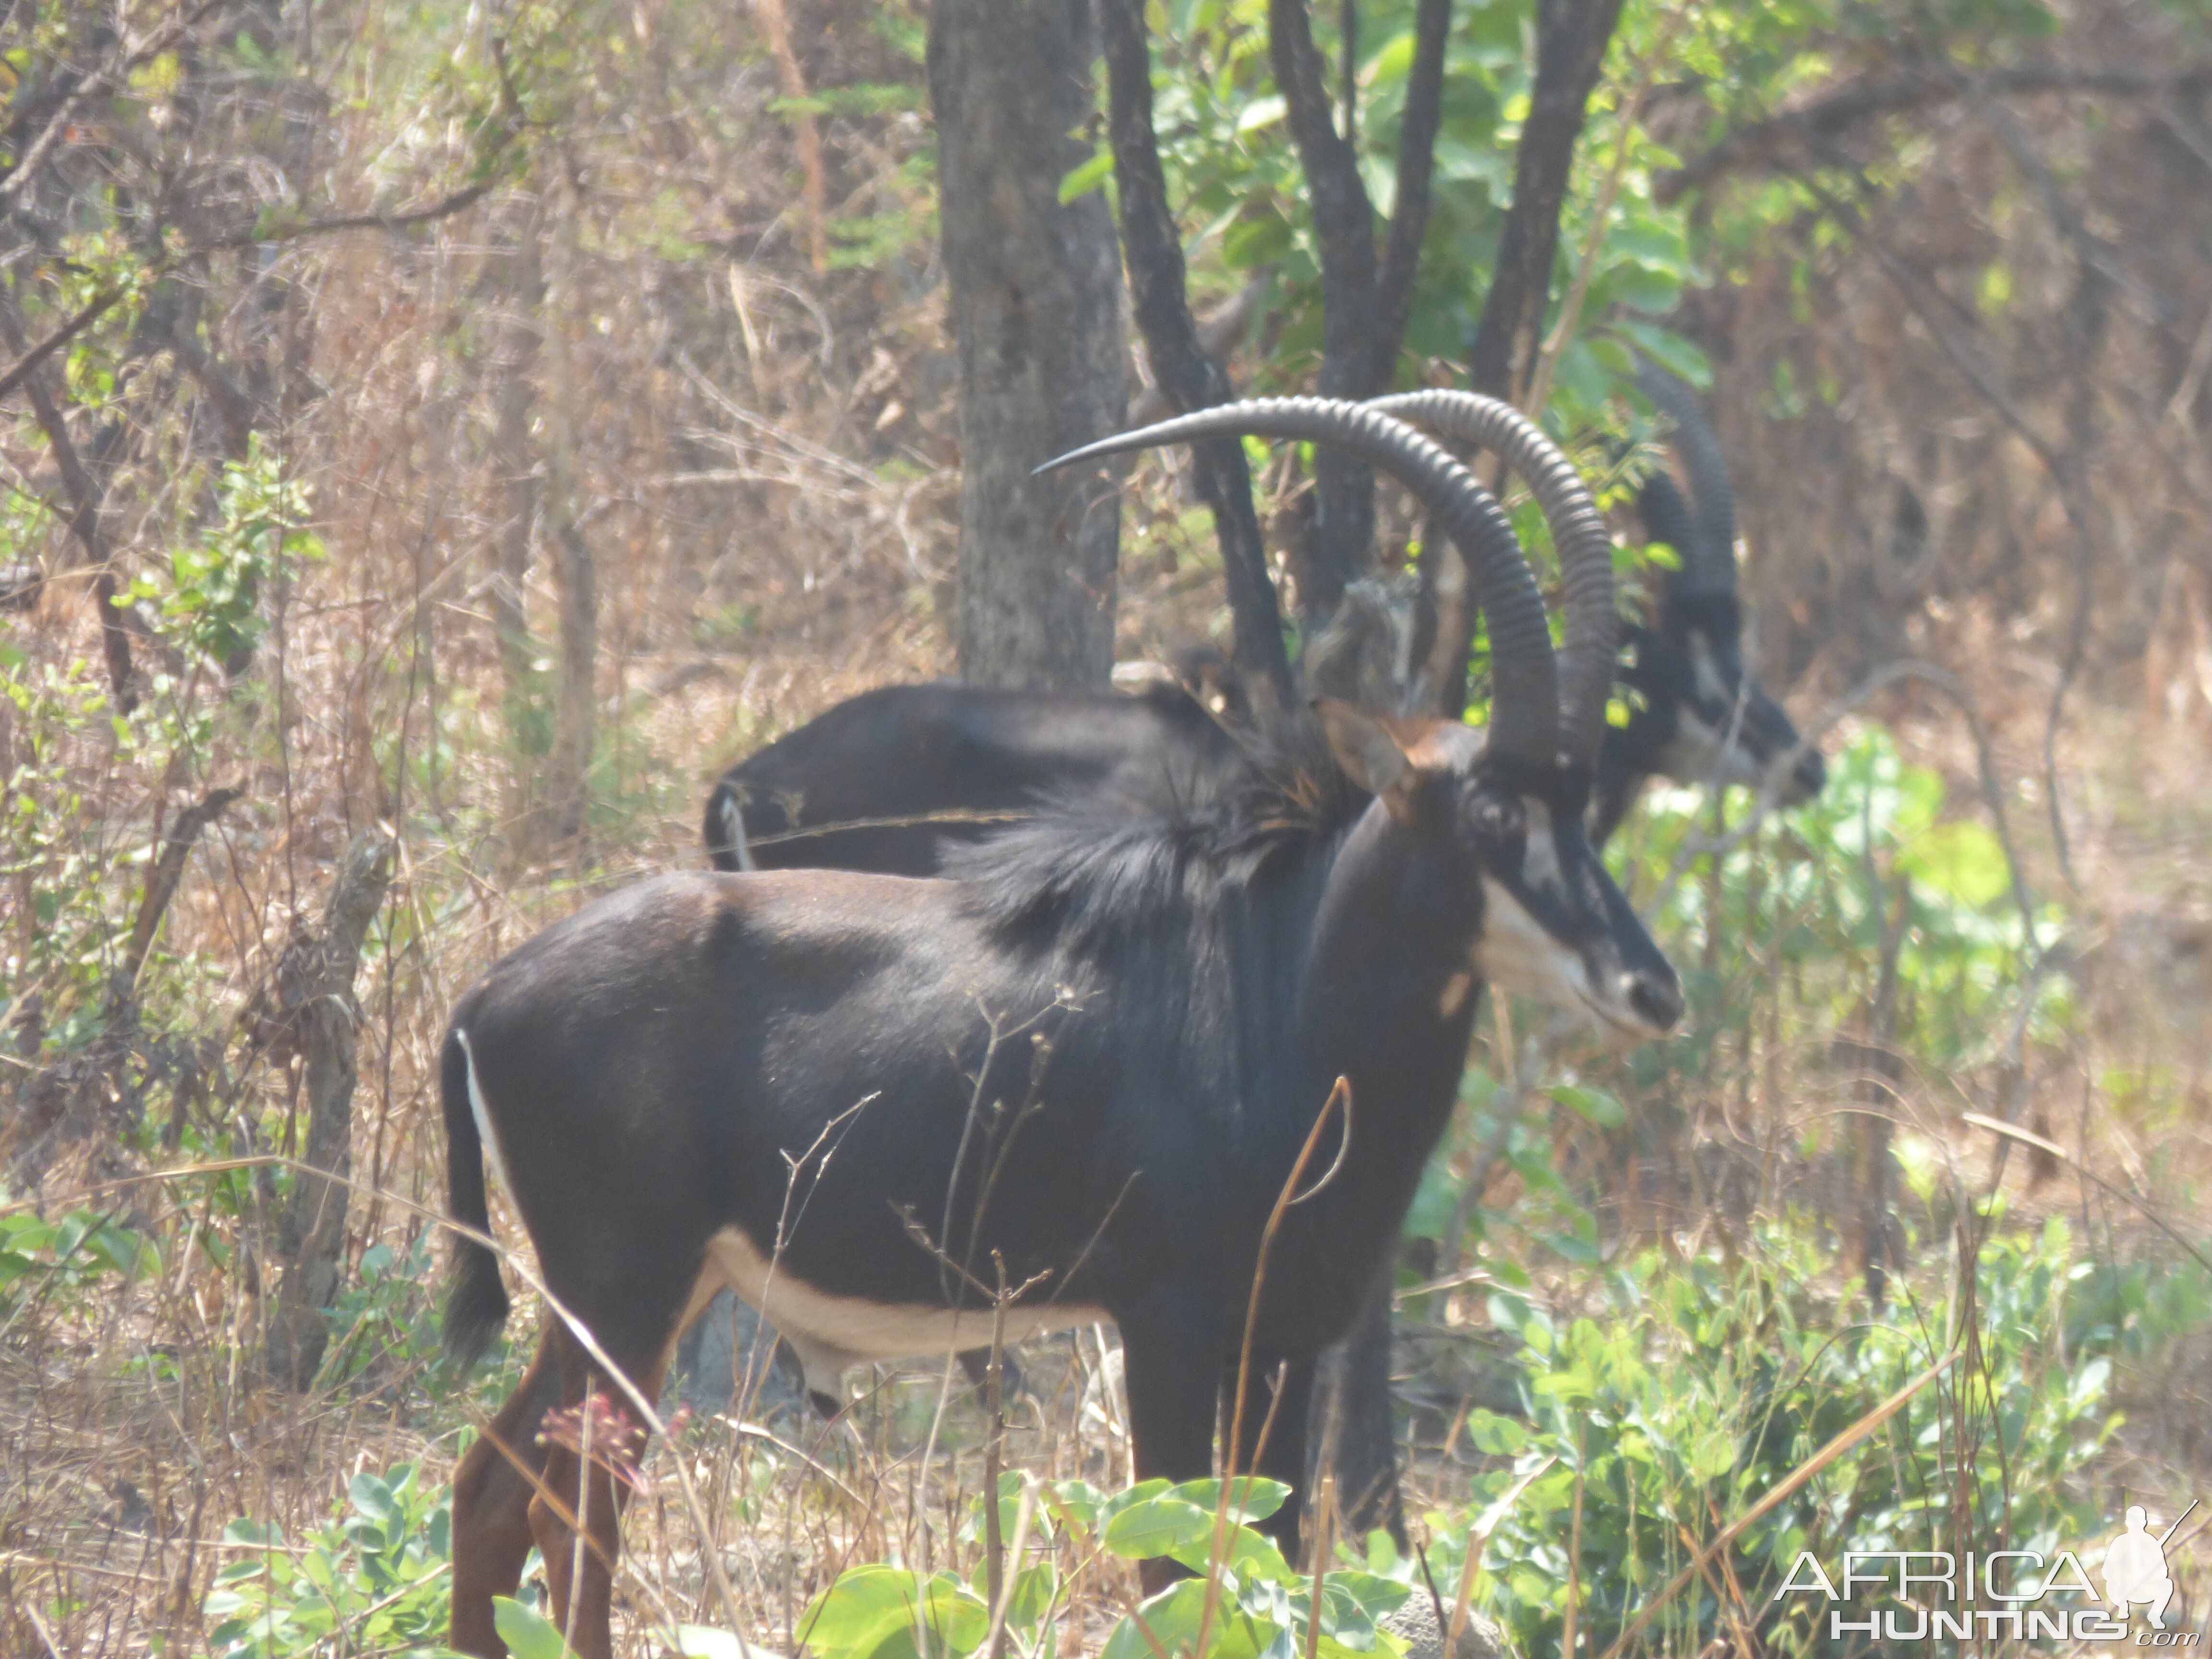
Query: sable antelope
x: 1087, y: 1070
x: 914, y: 771
x: 888, y: 780
x: 1696, y: 713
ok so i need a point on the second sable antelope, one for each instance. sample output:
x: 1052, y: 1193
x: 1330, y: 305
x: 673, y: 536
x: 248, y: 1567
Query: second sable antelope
x: 890, y: 780
x: 1696, y: 714
x: 1085, y: 1075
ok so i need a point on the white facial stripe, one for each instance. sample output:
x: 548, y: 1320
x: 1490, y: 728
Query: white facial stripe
x: 477, y: 1111
x: 832, y: 1333
x: 1515, y: 953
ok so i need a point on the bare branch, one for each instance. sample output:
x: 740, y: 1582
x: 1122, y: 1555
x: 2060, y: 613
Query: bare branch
x: 446, y: 207
x: 1341, y: 524
x: 1186, y: 376
x: 85, y: 496
x: 61, y: 337
x: 1784, y: 141
x: 168, y: 870
x: 1365, y: 302
x: 1931, y: 304
x: 98, y: 84
x: 1571, y: 38
x: 1417, y: 155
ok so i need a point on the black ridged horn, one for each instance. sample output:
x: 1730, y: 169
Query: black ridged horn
x: 1525, y: 688
x: 1709, y: 562
x: 1578, y: 531
x: 1667, y: 518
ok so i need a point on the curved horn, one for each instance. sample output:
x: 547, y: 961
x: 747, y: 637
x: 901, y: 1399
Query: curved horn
x: 1667, y: 518
x: 1525, y: 713
x: 1578, y: 531
x: 1709, y: 560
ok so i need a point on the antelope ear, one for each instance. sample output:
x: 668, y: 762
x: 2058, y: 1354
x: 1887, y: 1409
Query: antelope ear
x: 1371, y: 754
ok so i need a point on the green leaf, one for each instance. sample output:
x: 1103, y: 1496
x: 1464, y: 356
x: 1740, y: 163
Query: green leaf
x: 527, y: 1632
x: 371, y: 1498
x: 1599, y: 1108
x: 873, y: 1610
x: 1158, y: 1526
x: 1963, y: 860
x: 1173, y: 1616
x: 1082, y: 180
x: 1261, y: 112
x: 1252, y: 1557
x: 1251, y: 1497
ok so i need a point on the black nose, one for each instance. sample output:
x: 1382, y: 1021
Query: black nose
x: 1656, y: 997
x: 1810, y: 774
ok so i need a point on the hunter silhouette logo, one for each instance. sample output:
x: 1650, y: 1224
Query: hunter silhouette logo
x: 2135, y: 1566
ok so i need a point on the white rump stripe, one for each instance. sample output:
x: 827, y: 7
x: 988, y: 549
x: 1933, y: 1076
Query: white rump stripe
x: 482, y: 1117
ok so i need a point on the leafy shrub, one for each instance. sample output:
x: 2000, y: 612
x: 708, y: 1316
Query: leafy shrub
x: 387, y: 1317
x: 68, y: 1257
x: 374, y: 1580
x: 1814, y: 890
x: 1703, y: 1388
x: 1262, y: 1605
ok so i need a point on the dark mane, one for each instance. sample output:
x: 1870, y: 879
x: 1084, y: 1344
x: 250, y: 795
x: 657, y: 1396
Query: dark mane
x: 1116, y: 862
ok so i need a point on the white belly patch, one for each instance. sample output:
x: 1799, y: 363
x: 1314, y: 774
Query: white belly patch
x: 830, y: 1333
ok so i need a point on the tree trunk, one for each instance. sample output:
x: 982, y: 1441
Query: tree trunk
x: 1366, y: 299
x: 1571, y: 38
x: 86, y: 500
x: 1035, y: 301
x: 1188, y: 378
x: 563, y: 808
x: 519, y: 283
x: 313, y: 989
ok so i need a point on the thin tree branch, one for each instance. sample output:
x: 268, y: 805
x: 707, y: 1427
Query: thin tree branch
x: 1366, y: 303
x: 1186, y: 376
x: 84, y: 521
x: 813, y: 196
x: 101, y: 82
x: 1778, y: 142
x: 442, y: 208
x: 1539, y: 381
x: 1340, y: 522
x: 1416, y: 156
x: 1915, y: 288
x: 61, y: 337
x: 2096, y: 271
x: 168, y: 870
x: 1571, y: 38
